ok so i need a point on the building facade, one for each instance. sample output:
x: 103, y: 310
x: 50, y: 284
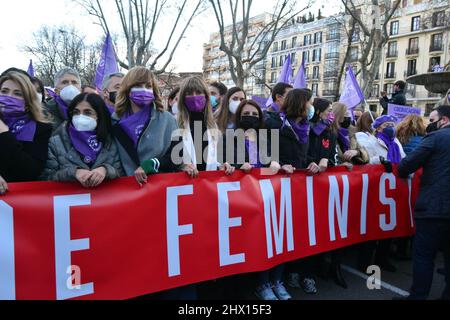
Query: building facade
x: 419, y: 35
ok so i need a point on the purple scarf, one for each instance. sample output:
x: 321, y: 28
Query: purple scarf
x: 110, y: 108
x: 301, y: 129
x: 320, y: 127
x: 60, y: 102
x: 134, y: 124
x: 394, y: 154
x: 275, y: 107
x: 253, y: 156
x: 18, y: 121
x: 344, y: 138
x: 86, y: 144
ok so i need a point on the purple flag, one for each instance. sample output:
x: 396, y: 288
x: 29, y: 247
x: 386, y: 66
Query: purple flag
x: 107, y: 64
x: 300, y: 80
x: 352, y: 95
x: 285, y: 76
x: 30, y: 70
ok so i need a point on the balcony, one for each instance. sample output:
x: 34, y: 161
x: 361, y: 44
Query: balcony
x: 433, y: 95
x: 328, y: 93
x: 353, y: 59
x: 316, y: 76
x: 434, y: 48
x: 330, y: 74
x: 332, y: 55
x: 390, y: 75
x: 392, y: 54
x: 410, y: 73
x: 412, y: 51
x: 333, y: 36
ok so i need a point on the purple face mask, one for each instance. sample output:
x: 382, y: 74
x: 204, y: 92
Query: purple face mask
x: 195, y: 103
x: 142, y: 97
x: 11, y: 107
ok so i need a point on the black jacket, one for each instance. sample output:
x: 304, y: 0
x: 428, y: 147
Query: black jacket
x: 240, y: 153
x: 322, y: 147
x: 24, y: 161
x: 291, y: 151
x: 53, y: 111
x: 398, y: 98
x: 433, y: 154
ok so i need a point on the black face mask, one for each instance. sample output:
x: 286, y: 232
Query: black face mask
x: 249, y: 122
x: 347, y: 123
x: 432, y: 127
x: 113, y: 96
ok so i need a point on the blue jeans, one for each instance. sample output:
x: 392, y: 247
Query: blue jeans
x: 432, y: 235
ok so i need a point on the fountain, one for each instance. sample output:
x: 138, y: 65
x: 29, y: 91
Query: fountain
x: 435, y: 82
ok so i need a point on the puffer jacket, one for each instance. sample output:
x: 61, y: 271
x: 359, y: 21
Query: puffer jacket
x: 64, y: 160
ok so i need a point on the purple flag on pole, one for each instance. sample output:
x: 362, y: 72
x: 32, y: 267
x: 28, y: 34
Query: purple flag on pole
x: 30, y: 70
x: 285, y: 76
x: 352, y: 95
x: 300, y: 80
x: 107, y: 64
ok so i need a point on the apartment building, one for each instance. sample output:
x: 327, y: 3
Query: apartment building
x: 216, y: 66
x: 419, y: 40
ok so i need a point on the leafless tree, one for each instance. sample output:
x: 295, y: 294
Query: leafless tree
x: 245, y: 51
x: 140, y: 22
x: 372, y: 18
x: 62, y: 46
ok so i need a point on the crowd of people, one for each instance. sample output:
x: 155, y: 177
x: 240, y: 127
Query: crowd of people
x: 76, y: 134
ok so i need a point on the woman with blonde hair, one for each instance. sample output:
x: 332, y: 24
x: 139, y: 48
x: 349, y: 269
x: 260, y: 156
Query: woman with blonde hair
x: 410, y: 132
x: 141, y: 126
x: 24, y: 132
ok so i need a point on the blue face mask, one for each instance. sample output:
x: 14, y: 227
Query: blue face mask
x: 389, y: 132
x: 311, y: 112
x: 214, y: 101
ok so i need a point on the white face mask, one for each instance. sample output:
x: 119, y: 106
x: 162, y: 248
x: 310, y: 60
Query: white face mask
x: 69, y: 93
x: 234, y: 105
x: 175, y: 109
x: 83, y: 123
x: 39, y: 96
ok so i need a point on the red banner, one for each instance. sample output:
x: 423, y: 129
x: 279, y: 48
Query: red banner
x: 59, y: 241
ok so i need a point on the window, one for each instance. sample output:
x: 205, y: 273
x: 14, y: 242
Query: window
x: 415, y: 23
x: 389, y: 88
x: 438, y: 19
x: 392, y: 49
x: 390, y: 70
x: 375, y: 90
x: 412, y: 64
x: 307, y: 75
x: 294, y: 42
x: 306, y: 56
x: 274, y: 62
x: 436, y: 42
x: 315, y: 89
x: 281, y: 61
x: 394, y: 28
x: 333, y: 34
x: 434, y: 62
x: 354, y: 54
x: 355, y: 35
x: 413, y: 47
x: 318, y: 37
x: 273, y: 77
x: 307, y: 40
x: 283, y: 45
x: 316, y: 73
x: 293, y: 60
x: 275, y: 46
x: 429, y: 107
x: 317, y: 55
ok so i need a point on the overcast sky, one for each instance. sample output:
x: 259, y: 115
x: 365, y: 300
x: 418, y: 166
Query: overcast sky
x: 20, y: 18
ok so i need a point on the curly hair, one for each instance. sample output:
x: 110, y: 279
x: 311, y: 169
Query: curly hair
x: 412, y: 125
